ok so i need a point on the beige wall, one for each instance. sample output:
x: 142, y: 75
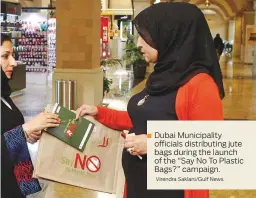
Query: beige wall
x: 248, y: 19
x: 13, y: 1
x: 139, y: 6
x: 255, y: 17
x: 231, y: 30
x: 104, y: 4
x: 246, y: 51
x: 238, y: 37
x: 120, y: 4
x: 45, y: 3
x: 34, y: 3
x: 219, y: 28
x: 218, y: 25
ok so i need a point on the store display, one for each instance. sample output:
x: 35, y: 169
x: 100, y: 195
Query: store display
x: 11, y: 23
x: 32, y: 48
x: 33, y: 35
x: 52, y: 43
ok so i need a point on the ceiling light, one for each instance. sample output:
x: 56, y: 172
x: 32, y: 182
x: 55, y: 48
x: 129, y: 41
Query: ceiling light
x: 207, y: 3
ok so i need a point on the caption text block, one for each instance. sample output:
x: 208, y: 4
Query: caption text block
x: 201, y: 155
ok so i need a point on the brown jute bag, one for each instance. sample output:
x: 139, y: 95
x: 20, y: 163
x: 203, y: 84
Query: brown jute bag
x: 97, y: 168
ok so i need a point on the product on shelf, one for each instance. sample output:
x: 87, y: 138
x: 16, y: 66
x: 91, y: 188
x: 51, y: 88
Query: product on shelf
x: 33, y: 36
x: 52, y: 43
x: 33, y: 46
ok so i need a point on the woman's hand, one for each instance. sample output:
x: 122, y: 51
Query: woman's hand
x: 137, y: 144
x: 86, y: 110
x: 34, y: 137
x: 41, y: 121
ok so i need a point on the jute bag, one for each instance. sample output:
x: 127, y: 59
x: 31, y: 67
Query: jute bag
x: 97, y: 168
x: 51, y: 189
x: 58, y: 190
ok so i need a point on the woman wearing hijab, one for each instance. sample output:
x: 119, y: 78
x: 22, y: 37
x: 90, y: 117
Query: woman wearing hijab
x: 186, y: 84
x: 16, y: 165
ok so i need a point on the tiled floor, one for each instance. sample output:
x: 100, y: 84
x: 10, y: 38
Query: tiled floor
x: 239, y: 103
x: 240, y: 87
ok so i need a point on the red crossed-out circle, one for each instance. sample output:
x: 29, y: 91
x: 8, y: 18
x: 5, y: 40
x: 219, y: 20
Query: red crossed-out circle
x: 93, y: 164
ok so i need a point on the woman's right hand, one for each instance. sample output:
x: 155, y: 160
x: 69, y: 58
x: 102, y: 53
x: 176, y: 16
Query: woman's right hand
x: 86, y: 110
x: 41, y: 121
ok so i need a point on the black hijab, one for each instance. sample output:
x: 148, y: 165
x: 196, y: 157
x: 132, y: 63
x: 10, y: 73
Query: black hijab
x: 180, y: 34
x: 5, y: 87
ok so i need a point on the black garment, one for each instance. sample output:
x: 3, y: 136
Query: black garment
x: 181, y: 35
x: 155, y: 108
x: 9, y: 120
x: 5, y: 87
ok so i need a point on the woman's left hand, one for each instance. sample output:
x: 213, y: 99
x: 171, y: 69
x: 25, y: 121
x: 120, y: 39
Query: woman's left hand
x: 33, y: 137
x: 137, y: 144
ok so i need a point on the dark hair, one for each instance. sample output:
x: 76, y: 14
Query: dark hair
x: 5, y: 37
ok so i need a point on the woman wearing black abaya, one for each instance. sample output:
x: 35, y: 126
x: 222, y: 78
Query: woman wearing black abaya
x: 186, y: 84
x: 16, y: 165
x: 219, y: 45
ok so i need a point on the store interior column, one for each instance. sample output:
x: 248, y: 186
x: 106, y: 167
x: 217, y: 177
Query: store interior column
x: 253, y: 104
x: 254, y: 57
x: 238, y: 40
x: 78, y: 48
x: 231, y: 30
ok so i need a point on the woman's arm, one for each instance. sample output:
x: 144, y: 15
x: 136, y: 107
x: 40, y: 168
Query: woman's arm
x: 118, y: 120
x: 15, y: 142
x: 14, y: 139
x: 205, y: 103
x: 199, y: 99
